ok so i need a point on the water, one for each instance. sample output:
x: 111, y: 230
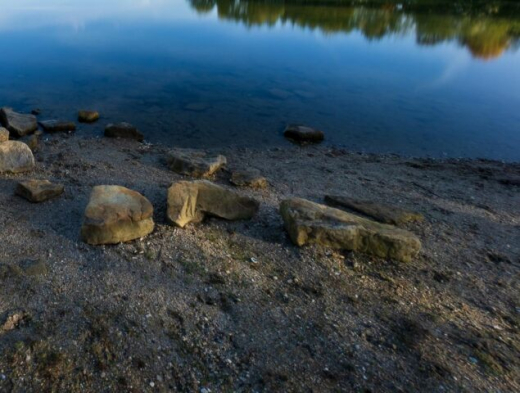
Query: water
x: 410, y: 78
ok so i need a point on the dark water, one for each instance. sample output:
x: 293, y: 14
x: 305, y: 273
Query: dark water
x: 423, y: 77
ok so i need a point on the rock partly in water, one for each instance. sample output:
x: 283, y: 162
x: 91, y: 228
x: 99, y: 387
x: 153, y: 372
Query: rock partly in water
x: 18, y: 123
x: 15, y: 157
x: 123, y: 130
x: 38, y: 190
x: 382, y: 213
x: 192, y: 201
x: 250, y: 177
x: 194, y: 163
x: 116, y: 214
x: 58, y: 126
x: 88, y: 116
x: 303, y: 134
x: 311, y: 223
x: 4, y: 134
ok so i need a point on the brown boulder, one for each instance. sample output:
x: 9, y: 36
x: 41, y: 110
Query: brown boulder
x: 38, y: 190
x: 15, y: 157
x: 18, y: 123
x: 194, y: 163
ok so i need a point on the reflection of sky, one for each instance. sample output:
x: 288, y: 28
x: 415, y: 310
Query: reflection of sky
x: 144, y: 61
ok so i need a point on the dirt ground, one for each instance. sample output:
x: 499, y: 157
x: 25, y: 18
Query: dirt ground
x: 234, y: 306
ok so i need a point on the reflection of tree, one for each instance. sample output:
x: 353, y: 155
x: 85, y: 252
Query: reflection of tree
x: 484, y: 27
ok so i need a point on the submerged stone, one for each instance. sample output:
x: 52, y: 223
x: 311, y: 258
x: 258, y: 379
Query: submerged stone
x: 123, y: 130
x: 88, y: 116
x: 192, y: 201
x: 311, y: 223
x: 18, y: 123
x: 303, y: 134
x: 116, y: 214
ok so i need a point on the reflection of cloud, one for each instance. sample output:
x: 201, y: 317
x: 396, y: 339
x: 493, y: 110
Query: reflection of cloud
x: 458, y: 64
x: 26, y: 14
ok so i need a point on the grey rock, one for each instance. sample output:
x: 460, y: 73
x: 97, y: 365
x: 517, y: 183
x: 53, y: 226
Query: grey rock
x: 17, y: 123
x: 58, y: 126
x: 194, y: 163
x: 303, y: 134
x: 249, y: 177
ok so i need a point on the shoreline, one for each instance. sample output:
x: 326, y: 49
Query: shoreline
x: 235, y: 305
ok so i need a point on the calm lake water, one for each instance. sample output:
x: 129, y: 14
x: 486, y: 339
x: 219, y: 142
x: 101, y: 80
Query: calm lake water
x: 410, y: 78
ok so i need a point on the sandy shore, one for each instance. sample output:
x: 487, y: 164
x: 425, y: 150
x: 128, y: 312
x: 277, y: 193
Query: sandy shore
x: 234, y: 306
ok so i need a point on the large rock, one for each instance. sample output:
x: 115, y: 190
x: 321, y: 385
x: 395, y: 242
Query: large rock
x: 15, y: 157
x: 58, y: 126
x: 116, y: 214
x: 382, y: 213
x: 38, y: 190
x: 192, y: 201
x: 249, y: 177
x: 123, y: 130
x: 17, y: 123
x: 194, y: 163
x: 88, y: 116
x: 303, y: 134
x: 308, y: 222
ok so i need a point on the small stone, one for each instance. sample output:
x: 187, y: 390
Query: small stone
x: 191, y: 201
x: 123, y: 130
x: 34, y: 267
x: 4, y: 134
x: 194, y: 163
x: 15, y: 157
x: 88, y: 116
x: 18, y: 123
x: 11, y: 319
x: 382, y: 213
x: 116, y: 214
x: 58, y: 126
x: 311, y: 223
x: 38, y: 190
x: 303, y: 134
x: 250, y: 177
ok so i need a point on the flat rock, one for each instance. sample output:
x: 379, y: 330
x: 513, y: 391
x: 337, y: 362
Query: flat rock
x: 15, y: 157
x: 116, y: 214
x: 192, y: 201
x: 311, y: 223
x: 303, y: 134
x: 382, y: 213
x: 4, y: 134
x: 38, y: 190
x: 58, y: 126
x: 194, y: 163
x: 18, y: 123
x: 123, y: 130
x: 249, y: 177
x: 88, y: 116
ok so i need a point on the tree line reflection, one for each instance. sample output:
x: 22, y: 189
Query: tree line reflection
x: 486, y: 28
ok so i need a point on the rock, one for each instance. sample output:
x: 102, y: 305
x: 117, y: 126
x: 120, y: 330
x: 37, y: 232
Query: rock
x: 15, y: 157
x: 11, y: 319
x: 308, y: 222
x: 88, y: 116
x: 194, y: 163
x: 123, y: 130
x: 33, y: 141
x: 249, y: 177
x: 116, y: 214
x: 31, y: 267
x: 4, y: 134
x: 382, y: 213
x: 58, y: 126
x: 17, y: 123
x: 303, y: 134
x: 192, y: 201
x: 38, y: 190
x: 36, y: 111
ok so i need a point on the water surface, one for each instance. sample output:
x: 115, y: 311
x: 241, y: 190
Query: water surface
x: 424, y: 77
